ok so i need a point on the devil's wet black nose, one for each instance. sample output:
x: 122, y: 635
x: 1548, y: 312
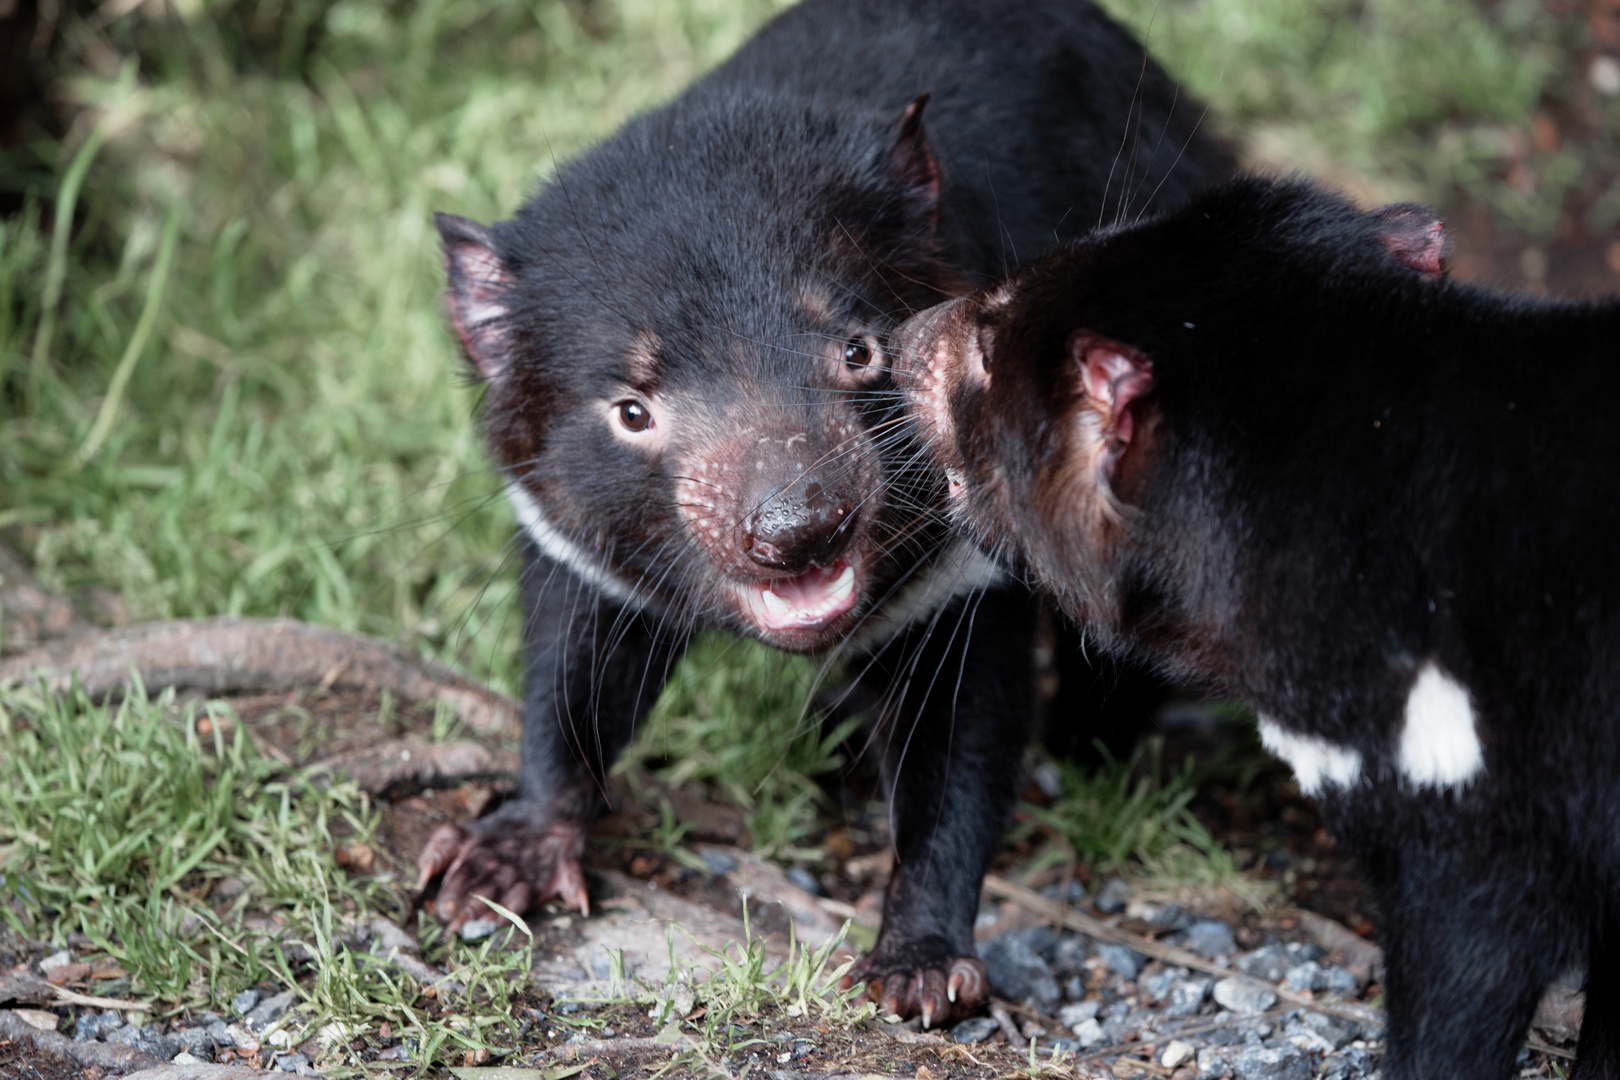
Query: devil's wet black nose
x: 804, y: 525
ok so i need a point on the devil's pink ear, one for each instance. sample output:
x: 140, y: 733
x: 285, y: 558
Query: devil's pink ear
x: 478, y: 284
x: 1113, y: 376
x: 911, y: 162
x: 1414, y: 234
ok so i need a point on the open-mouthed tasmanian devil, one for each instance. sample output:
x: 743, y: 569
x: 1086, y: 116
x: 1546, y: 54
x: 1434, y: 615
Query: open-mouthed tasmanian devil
x: 1265, y: 444
x: 685, y: 342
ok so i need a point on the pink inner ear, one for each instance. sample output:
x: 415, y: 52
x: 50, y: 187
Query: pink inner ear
x: 911, y: 161
x: 1115, y: 375
x: 478, y: 283
x: 1414, y: 235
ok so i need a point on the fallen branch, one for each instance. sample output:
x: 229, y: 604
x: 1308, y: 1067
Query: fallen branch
x: 236, y: 655
x: 626, y: 1045
x: 26, y: 988
x: 414, y: 760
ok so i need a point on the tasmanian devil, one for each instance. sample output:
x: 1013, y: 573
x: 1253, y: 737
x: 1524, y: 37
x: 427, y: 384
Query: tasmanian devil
x: 1262, y: 442
x: 684, y: 339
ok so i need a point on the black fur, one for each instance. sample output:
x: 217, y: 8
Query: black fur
x: 1263, y: 443
x: 684, y: 342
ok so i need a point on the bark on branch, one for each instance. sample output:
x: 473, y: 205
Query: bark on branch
x: 238, y: 655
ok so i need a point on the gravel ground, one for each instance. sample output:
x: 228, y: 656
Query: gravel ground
x: 1157, y: 989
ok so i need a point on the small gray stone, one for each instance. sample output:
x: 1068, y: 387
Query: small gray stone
x: 1351, y: 1063
x: 1074, y: 989
x: 1017, y: 972
x: 1156, y: 987
x: 478, y: 929
x: 1270, y: 962
x: 1170, y: 916
x: 56, y: 960
x: 1244, y: 996
x: 974, y: 1030
x: 601, y: 963
x: 1113, y: 897
x: 296, y: 1063
x: 1338, y: 980
x: 1119, y: 1028
x: 270, y: 1010
x: 1040, y: 939
x: 1285, y: 1062
x: 1068, y: 953
x: 1303, y: 977
x: 1078, y: 1012
x: 1121, y: 958
x: 1254, y: 1031
x: 1210, y: 938
x: 1335, y: 1031
x: 1338, y: 1068
x: 718, y: 861
x: 148, y: 1038
x: 197, y: 1042
x: 1307, y: 1038
x: 804, y: 879
x: 91, y: 1026
x: 243, y: 1003
x: 1187, y: 996
x: 1212, y: 1064
x: 1089, y: 1033
x: 1301, y: 951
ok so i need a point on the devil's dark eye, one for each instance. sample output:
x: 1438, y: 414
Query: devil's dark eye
x: 634, y: 416
x: 857, y: 353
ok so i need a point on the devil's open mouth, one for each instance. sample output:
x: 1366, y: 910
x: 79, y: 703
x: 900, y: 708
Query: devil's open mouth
x: 810, y: 601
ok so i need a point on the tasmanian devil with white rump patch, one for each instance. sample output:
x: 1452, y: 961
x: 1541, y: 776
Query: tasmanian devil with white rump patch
x: 1262, y: 442
x: 684, y: 339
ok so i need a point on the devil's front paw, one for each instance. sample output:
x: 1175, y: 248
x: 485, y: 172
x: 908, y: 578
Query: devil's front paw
x: 518, y: 857
x: 914, y: 981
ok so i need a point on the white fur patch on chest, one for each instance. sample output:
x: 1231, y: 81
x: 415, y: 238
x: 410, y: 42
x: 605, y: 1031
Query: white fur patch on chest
x: 549, y: 540
x: 1439, y: 744
x: 1315, y: 761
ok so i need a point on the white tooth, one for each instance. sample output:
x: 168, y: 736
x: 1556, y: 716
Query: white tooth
x: 843, y: 585
x: 775, y: 604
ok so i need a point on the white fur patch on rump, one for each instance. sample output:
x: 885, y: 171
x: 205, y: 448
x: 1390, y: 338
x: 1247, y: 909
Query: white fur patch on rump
x: 1315, y: 761
x: 1439, y: 741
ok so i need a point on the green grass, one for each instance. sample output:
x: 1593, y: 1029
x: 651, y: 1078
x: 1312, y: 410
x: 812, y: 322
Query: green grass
x: 737, y: 718
x: 1123, y: 812
x: 1422, y: 97
x: 125, y: 824
x: 739, y: 988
